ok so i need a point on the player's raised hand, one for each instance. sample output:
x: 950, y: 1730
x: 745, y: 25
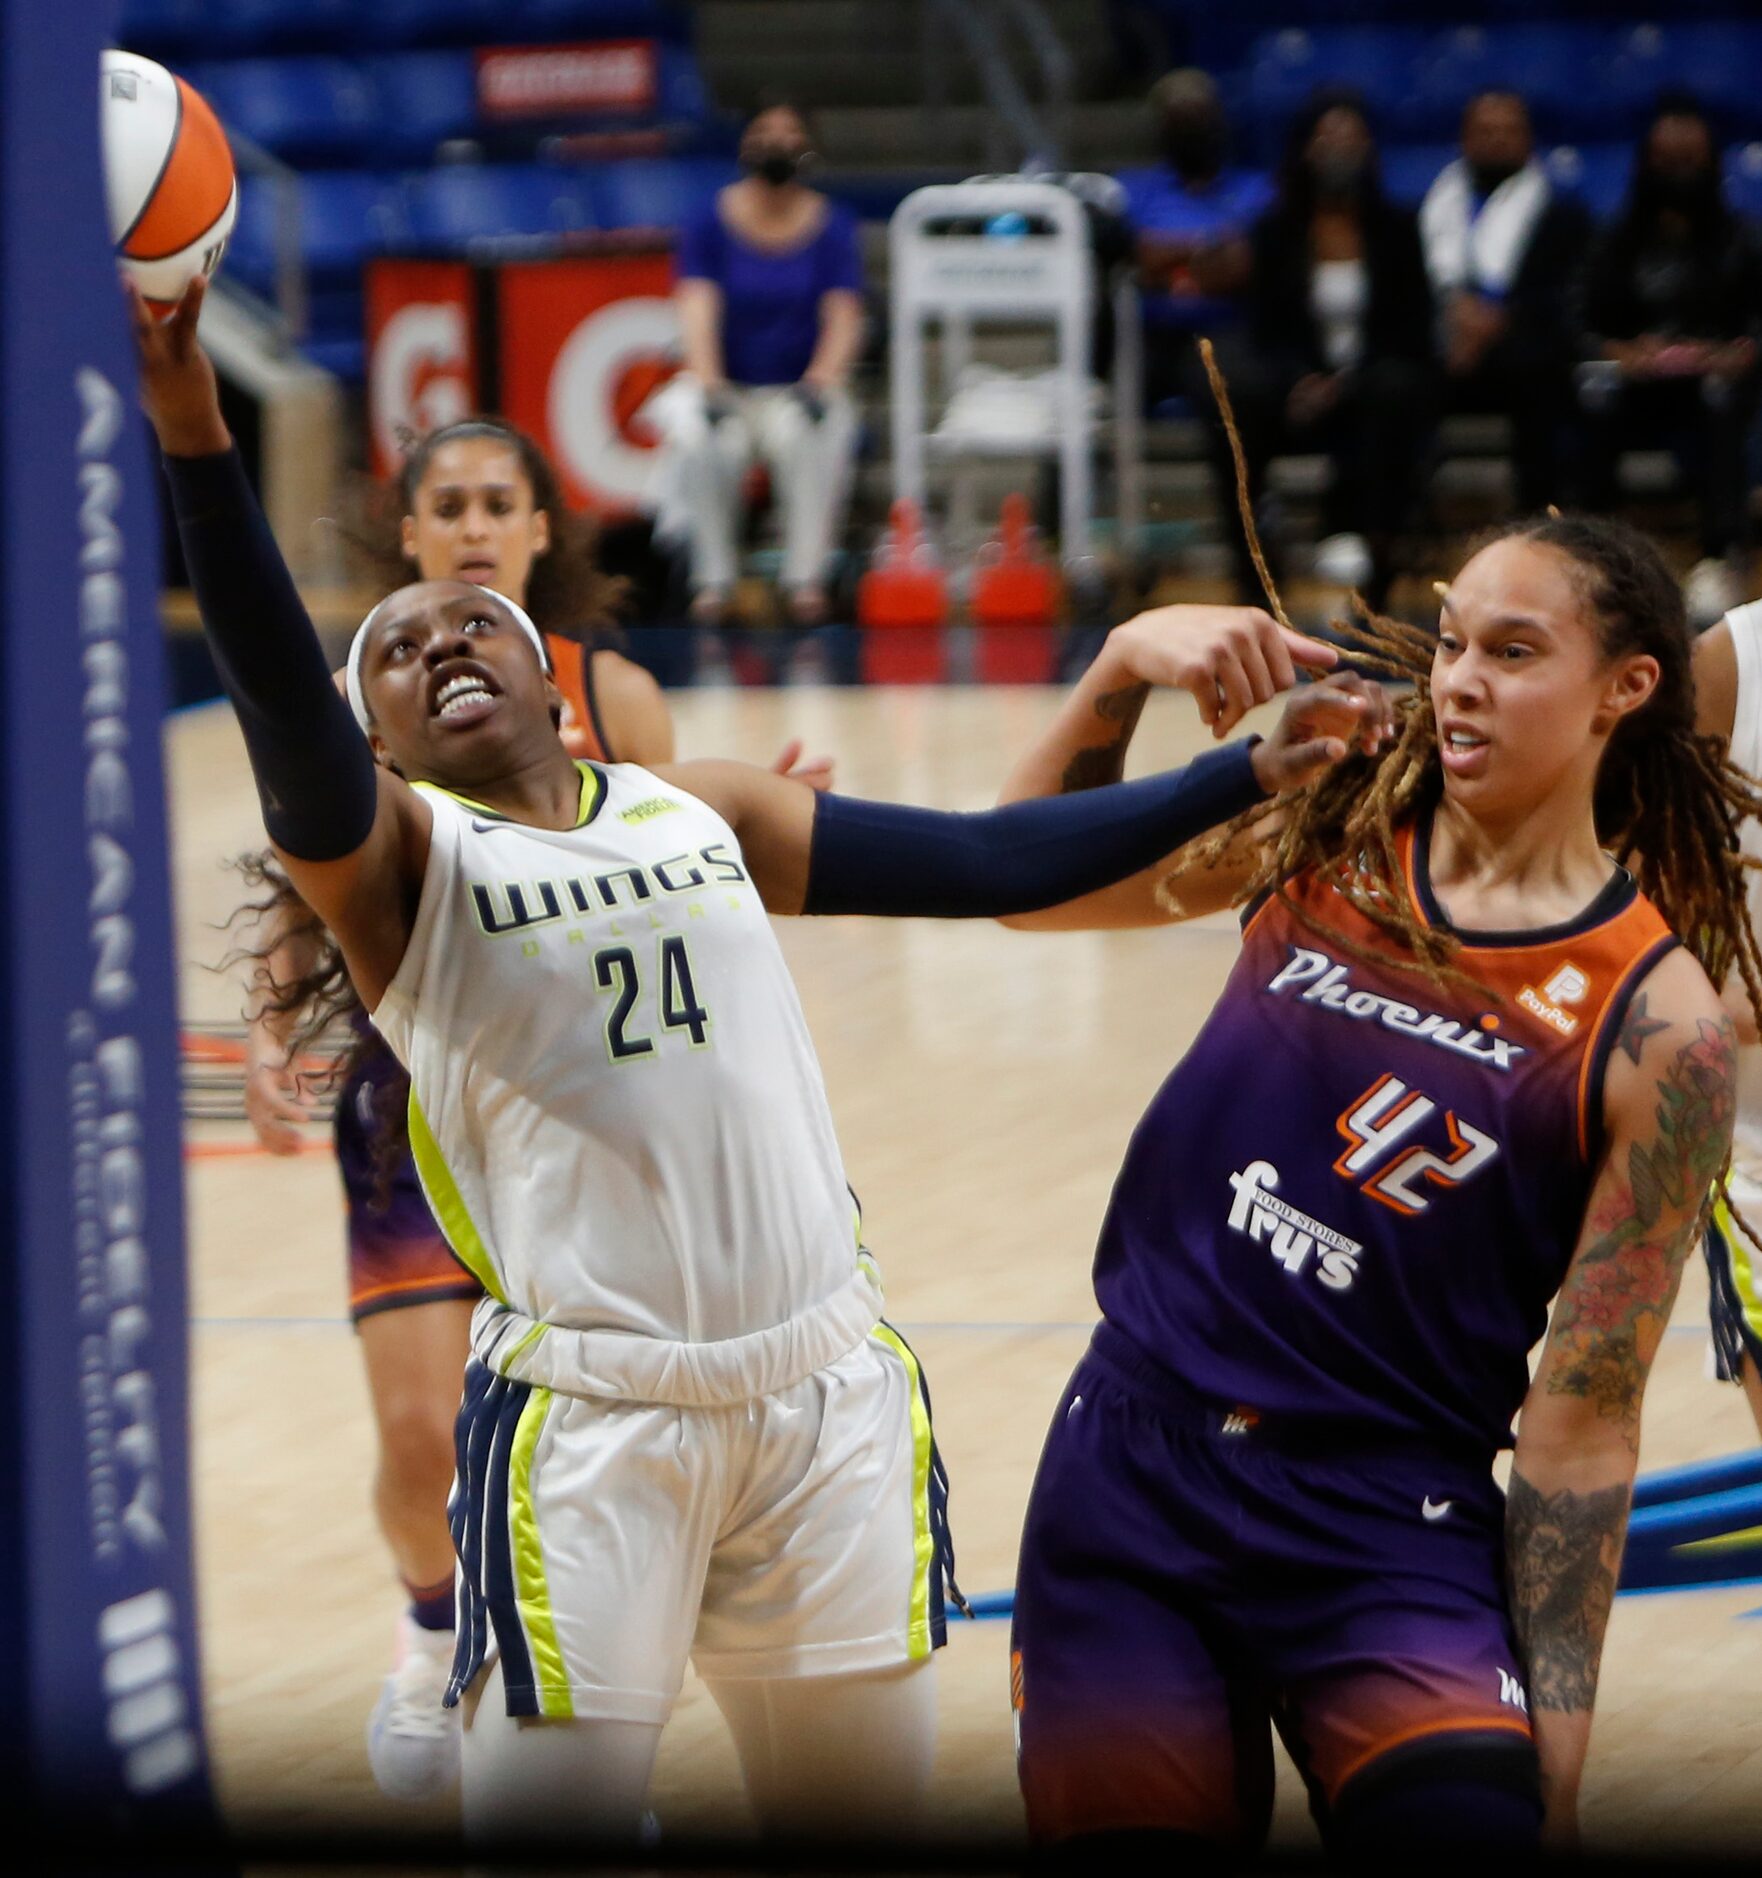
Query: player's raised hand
x: 815, y: 771
x: 1320, y: 727
x: 1230, y: 658
x: 178, y: 387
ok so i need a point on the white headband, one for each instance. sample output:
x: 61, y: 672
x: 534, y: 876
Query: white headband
x: 358, y: 645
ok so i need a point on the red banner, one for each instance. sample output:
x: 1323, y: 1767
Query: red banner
x: 619, y: 76
x: 422, y: 352
x: 584, y: 345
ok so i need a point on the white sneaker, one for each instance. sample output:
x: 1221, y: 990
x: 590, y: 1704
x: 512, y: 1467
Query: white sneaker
x: 1343, y: 560
x: 1710, y: 592
x: 412, y: 1742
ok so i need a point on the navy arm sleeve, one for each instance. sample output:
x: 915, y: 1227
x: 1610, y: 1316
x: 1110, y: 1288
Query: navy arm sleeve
x: 314, y: 771
x: 880, y: 857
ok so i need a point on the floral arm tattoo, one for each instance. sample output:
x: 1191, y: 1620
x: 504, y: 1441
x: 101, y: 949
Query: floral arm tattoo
x: 1563, y: 1545
x: 1103, y: 763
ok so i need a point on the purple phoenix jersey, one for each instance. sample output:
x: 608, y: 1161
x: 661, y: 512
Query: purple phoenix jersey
x: 1267, y: 1496
x: 1350, y: 1204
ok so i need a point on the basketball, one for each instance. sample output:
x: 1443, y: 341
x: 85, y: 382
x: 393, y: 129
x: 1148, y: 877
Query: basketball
x: 168, y: 175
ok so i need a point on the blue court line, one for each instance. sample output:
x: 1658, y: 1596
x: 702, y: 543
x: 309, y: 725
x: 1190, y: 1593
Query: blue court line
x: 992, y: 1606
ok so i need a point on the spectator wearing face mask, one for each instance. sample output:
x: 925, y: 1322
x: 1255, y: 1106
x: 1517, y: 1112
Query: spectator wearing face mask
x: 1502, y: 249
x: 770, y: 307
x: 1673, y: 304
x: 1191, y: 215
x: 1337, y: 353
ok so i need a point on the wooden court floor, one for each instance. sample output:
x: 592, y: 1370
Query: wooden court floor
x: 984, y: 1083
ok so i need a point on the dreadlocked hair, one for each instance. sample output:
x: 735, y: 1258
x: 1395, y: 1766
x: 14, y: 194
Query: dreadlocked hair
x: 1668, y: 800
x: 567, y: 592
x: 317, y: 1002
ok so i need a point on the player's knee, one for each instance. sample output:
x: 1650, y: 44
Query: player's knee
x: 416, y: 1440
x: 1455, y: 1798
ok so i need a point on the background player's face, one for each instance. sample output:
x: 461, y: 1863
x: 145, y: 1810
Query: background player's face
x: 455, y: 688
x: 474, y: 518
x: 1524, y: 696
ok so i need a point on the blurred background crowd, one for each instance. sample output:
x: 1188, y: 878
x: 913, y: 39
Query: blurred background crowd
x: 1455, y: 259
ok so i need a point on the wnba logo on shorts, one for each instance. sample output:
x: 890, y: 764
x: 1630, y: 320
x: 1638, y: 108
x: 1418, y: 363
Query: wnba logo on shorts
x: 1015, y: 1680
x: 1567, y: 986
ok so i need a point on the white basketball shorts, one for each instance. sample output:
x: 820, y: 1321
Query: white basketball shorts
x: 602, y: 1543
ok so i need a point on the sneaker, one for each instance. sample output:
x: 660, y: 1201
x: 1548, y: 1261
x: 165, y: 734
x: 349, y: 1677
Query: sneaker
x: 412, y: 1742
x: 1343, y: 560
x: 1710, y: 592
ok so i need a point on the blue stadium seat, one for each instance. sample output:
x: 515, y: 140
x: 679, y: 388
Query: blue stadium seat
x: 254, y: 26
x: 1287, y: 66
x: 497, y: 22
x: 1595, y: 174
x: 1743, y: 180
x: 435, y: 22
x: 1556, y: 67
x: 162, y: 29
x: 345, y: 216
x: 464, y: 206
x: 657, y: 192
x: 685, y: 98
x: 1720, y: 61
x: 602, y: 19
x: 1409, y: 170
x: 428, y: 97
x: 302, y: 110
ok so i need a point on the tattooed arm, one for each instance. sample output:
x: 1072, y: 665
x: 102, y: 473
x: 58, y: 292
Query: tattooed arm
x: 1230, y: 658
x: 1668, y: 1101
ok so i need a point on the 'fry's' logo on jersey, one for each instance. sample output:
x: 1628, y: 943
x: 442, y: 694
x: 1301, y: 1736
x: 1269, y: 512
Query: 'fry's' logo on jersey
x: 1321, y: 980
x: 1567, y: 986
x: 1258, y: 1213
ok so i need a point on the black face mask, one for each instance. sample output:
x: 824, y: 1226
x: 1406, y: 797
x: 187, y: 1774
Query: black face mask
x: 773, y: 166
x: 1487, y: 177
x: 1193, y: 149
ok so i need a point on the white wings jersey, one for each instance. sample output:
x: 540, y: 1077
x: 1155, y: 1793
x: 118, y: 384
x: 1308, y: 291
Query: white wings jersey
x: 616, y: 1109
x: 1746, y: 753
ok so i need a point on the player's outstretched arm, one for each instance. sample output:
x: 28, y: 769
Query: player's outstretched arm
x: 814, y: 853
x: 1230, y: 658
x: 1668, y: 1105
x: 353, y: 837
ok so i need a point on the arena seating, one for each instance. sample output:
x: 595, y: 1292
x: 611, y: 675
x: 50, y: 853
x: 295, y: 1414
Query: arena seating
x: 358, y: 89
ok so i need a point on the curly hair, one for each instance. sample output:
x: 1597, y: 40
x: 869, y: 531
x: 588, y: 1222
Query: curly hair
x: 317, y: 1002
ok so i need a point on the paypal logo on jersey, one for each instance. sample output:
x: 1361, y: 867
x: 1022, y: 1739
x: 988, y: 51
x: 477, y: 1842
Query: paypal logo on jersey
x: 1322, y: 980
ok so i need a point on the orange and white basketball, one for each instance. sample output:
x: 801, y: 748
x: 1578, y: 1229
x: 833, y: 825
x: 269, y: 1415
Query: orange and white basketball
x: 168, y: 177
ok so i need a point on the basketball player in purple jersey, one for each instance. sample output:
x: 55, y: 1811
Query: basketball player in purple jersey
x: 1463, y: 1066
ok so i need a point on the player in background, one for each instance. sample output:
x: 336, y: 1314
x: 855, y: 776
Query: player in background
x: 1728, y: 704
x: 1465, y: 1064
x: 475, y: 501
x: 620, y: 1122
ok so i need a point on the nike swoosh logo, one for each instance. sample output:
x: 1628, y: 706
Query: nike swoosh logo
x: 1437, y: 1511
x: 490, y: 828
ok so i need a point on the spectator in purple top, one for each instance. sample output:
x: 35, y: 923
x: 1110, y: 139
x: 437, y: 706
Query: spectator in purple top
x: 1191, y: 215
x: 770, y: 305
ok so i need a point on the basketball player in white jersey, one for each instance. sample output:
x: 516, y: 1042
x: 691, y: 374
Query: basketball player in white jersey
x: 686, y: 1431
x: 1728, y: 703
